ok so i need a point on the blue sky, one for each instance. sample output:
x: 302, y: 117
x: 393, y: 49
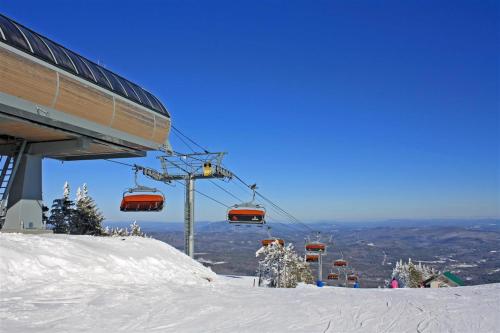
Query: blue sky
x: 339, y: 110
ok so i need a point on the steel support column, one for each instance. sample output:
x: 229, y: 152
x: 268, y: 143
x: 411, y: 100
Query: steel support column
x: 320, y: 267
x: 189, y: 217
x: 24, y: 205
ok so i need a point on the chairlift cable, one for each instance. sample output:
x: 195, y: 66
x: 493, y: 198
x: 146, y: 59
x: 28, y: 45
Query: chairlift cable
x: 209, y: 197
x: 122, y: 163
x: 197, y: 191
x: 184, y: 141
x: 206, y: 195
x: 293, y: 218
x: 191, y: 140
x: 293, y: 227
x: 223, y: 189
x: 283, y: 212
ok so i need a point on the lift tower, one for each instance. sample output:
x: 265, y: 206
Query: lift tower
x: 188, y: 168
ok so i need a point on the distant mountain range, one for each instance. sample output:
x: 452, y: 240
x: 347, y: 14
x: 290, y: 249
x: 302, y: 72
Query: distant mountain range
x: 207, y: 226
x: 469, y: 248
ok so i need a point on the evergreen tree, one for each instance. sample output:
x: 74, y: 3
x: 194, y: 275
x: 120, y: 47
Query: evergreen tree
x: 45, y: 218
x: 281, y: 267
x: 135, y: 230
x: 410, y: 275
x: 119, y: 232
x: 414, y: 276
x: 88, y: 218
x: 106, y: 231
x: 61, y: 212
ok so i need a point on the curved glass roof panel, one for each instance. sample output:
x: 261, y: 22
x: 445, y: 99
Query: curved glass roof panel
x: 13, y: 35
x: 18, y: 36
x: 83, y: 70
x: 61, y: 57
x: 130, y: 92
x: 99, y: 76
x: 117, y: 87
x: 154, y: 101
x: 142, y: 95
x: 162, y: 108
x: 39, y: 48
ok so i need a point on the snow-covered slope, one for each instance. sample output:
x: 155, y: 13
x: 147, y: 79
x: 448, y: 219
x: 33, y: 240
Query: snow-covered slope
x: 59, y: 283
x: 37, y: 261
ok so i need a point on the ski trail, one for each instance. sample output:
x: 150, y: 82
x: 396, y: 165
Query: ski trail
x: 397, y: 317
x: 422, y: 324
x: 327, y: 326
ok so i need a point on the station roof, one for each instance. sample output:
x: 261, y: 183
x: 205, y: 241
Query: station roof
x: 26, y: 40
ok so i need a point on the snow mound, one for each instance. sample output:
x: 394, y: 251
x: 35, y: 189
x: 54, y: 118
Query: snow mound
x: 61, y: 283
x: 31, y: 260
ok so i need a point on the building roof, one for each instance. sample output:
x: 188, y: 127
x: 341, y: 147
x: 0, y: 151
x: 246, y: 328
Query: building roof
x: 454, y: 278
x: 447, y: 275
x: 34, y: 44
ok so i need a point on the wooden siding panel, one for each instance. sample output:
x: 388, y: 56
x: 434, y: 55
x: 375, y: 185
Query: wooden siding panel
x: 26, y: 79
x: 83, y: 101
x: 162, y: 129
x: 36, y: 83
x: 30, y: 131
x: 133, y: 120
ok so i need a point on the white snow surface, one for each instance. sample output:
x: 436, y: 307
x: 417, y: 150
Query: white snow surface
x: 61, y: 283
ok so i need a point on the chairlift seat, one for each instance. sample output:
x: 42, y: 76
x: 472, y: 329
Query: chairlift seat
x: 333, y: 276
x: 266, y: 242
x: 315, y: 247
x: 142, y: 203
x: 312, y: 257
x: 340, y: 263
x: 246, y: 215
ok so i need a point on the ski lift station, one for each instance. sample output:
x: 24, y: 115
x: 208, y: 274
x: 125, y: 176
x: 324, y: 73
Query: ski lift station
x: 57, y: 104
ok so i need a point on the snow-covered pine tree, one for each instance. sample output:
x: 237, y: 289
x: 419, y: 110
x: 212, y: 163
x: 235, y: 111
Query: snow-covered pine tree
x: 106, y: 231
x: 304, y: 271
x: 281, y: 267
x: 62, y: 212
x: 400, y: 272
x: 410, y: 275
x: 267, y: 276
x: 427, y: 271
x: 88, y: 217
x: 45, y: 217
x: 414, y: 275
x: 66, y: 190
x: 135, y: 230
x: 295, y: 269
x: 119, y: 232
x: 79, y: 194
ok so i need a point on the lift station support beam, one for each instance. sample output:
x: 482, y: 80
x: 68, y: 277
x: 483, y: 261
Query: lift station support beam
x: 21, y: 203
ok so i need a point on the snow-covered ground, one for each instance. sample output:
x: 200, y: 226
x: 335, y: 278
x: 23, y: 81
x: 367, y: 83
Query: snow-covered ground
x: 59, y: 283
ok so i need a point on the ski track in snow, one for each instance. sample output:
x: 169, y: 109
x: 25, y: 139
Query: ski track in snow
x: 60, y: 283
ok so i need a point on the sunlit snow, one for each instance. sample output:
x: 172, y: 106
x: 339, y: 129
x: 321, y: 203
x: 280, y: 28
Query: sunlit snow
x: 60, y: 283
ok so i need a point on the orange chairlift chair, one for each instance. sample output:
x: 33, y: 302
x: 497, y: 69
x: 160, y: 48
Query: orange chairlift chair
x: 312, y: 257
x: 142, y: 199
x: 247, y: 213
x: 268, y: 241
x: 316, y: 246
x: 340, y: 263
